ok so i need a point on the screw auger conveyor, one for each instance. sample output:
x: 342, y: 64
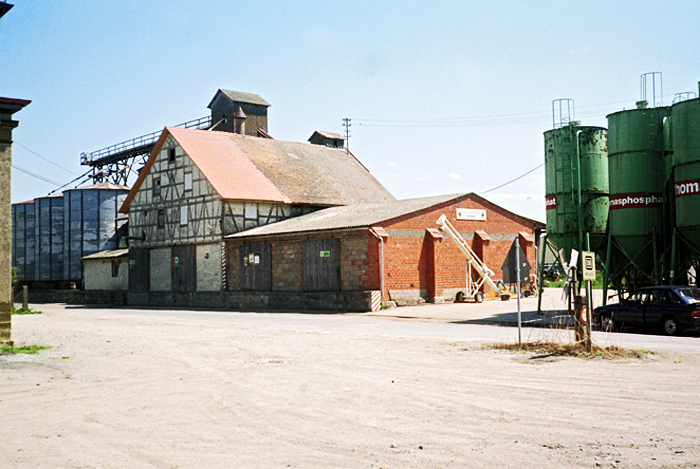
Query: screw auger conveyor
x: 473, y: 287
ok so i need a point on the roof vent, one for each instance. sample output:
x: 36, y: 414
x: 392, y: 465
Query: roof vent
x: 239, y: 121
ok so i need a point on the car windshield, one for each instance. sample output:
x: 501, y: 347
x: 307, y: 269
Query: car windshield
x: 689, y: 294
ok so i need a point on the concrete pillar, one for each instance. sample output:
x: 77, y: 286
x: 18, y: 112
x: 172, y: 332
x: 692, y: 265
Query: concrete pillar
x: 8, y: 106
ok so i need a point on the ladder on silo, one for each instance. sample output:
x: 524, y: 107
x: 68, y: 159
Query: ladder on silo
x: 473, y: 260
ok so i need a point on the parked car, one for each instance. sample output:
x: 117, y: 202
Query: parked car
x: 672, y: 309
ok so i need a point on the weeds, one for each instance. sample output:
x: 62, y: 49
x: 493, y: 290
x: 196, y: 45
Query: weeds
x: 28, y: 349
x: 571, y: 350
x: 25, y: 311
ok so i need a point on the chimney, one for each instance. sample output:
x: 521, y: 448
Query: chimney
x: 239, y: 121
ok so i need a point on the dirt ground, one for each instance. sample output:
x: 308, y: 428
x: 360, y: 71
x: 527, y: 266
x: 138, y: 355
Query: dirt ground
x: 182, y: 389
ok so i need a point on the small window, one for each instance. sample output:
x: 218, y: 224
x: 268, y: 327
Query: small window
x: 161, y: 218
x: 115, y: 267
x: 251, y: 210
x: 183, y: 215
x: 188, y: 181
x: 171, y: 155
x: 156, y: 187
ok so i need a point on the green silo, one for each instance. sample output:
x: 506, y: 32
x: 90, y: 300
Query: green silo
x: 576, y: 186
x: 638, y: 181
x: 686, y: 167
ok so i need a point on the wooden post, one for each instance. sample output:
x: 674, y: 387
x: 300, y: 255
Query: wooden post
x: 579, y: 326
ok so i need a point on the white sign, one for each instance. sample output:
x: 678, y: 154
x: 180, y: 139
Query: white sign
x: 471, y: 214
x: 588, y: 265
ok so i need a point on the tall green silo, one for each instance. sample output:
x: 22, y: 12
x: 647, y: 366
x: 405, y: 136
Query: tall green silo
x: 638, y: 180
x: 686, y: 172
x: 576, y: 187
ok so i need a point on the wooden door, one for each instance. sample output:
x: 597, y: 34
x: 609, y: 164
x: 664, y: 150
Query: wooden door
x: 321, y: 265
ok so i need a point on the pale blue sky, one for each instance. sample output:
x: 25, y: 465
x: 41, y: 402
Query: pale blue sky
x: 444, y: 96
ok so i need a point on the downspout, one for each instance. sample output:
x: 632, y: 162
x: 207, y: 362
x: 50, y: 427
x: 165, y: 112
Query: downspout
x: 381, y: 260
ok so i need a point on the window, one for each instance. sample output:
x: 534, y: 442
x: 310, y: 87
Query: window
x: 636, y: 298
x: 251, y: 210
x: 188, y: 181
x: 115, y: 267
x: 183, y: 215
x: 156, y: 187
x: 171, y: 155
x: 161, y: 218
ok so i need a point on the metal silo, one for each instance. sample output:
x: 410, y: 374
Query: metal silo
x: 90, y: 224
x: 576, y: 178
x: 639, y: 176
x: 48, y: 258
x: 23, y: 236
x: 686, y: 172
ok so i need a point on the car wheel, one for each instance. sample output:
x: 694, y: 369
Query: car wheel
x: 607, y: 324
x: 671, y: 326
x: 479, y: 297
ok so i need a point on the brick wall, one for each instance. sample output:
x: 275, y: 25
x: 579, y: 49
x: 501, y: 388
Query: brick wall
x: 408, y: 256
x: 417, y: 264
x: 286, y: 266
x: 355, y: 263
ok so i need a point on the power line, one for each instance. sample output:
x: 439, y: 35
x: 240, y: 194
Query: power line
x: 45, y: 159
x: 516, y: 118
x: 71, y: 182
x: 42, y: 178
x: 513, y: 180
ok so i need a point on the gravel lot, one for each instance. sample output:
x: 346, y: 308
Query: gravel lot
x: 165, y: 389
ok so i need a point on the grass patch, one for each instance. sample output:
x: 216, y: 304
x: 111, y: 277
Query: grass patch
x: 597, y: 284
x: 25, y: 311
x: 552, y: 349
x: 28, y: 349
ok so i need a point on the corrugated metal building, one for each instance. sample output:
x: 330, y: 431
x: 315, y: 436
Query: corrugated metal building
x: 23, y: 239
x: 52, y: 234
x: 90, y: 224
x: 48, y: 258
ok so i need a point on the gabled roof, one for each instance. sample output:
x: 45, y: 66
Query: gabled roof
x: 362, y: 216
x: 241, y: 167
x: 240, y: 97
x: 331, y: 135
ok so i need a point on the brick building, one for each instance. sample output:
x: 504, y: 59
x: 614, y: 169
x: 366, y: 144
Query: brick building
x: 334, y: 258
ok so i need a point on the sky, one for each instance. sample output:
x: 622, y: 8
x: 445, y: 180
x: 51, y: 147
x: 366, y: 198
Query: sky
x: 443, y: 96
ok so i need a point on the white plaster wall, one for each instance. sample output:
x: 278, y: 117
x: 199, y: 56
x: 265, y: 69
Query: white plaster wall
x: 98, y: 275
x: 161, y: 274
x: 209, y: 267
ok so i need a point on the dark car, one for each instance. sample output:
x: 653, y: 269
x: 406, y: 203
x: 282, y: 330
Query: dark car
x: 672, y: 309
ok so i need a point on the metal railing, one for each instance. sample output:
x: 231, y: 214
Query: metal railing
x: 135, y: 146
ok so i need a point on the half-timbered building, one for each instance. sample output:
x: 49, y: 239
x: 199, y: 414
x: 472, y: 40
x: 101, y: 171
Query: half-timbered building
x: 199, y: 186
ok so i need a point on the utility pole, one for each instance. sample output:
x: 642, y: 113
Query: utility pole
x: 347, y: 124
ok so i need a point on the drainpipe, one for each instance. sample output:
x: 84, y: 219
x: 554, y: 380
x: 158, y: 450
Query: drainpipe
x: 381, y: 260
